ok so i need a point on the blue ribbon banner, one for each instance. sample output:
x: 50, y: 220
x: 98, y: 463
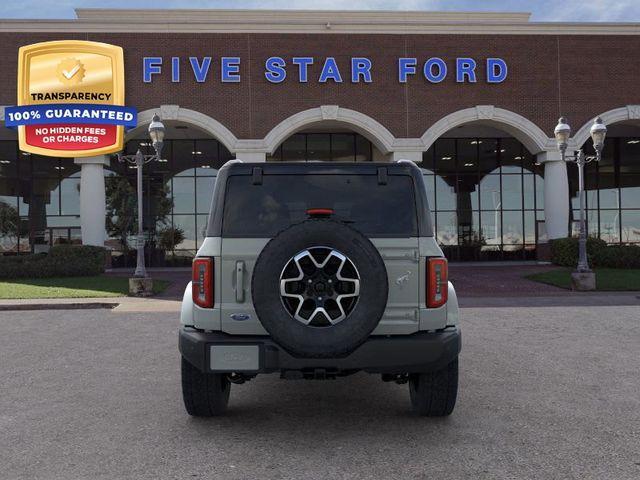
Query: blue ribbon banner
x: 70, y: 113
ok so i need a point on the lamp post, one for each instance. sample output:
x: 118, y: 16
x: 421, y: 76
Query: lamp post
x: 562, y: 133
x: 156, y: 133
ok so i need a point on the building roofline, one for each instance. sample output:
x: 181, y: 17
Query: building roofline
x: 310, y: 21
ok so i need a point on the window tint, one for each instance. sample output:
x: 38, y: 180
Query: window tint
x: 281, y: 200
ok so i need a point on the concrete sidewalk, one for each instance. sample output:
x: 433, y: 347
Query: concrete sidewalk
x: 158, y: 304
x: 477, y: 285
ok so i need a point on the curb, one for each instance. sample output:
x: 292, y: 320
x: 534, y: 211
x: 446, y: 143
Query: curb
x: 57, y: 306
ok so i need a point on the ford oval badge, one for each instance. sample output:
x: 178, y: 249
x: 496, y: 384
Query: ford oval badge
x: 240, y: 317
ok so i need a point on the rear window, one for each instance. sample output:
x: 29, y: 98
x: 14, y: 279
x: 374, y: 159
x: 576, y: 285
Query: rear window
x: 281, y: 200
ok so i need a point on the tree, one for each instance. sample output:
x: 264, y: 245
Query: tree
x: 122, y: 208
x: 9, y: 221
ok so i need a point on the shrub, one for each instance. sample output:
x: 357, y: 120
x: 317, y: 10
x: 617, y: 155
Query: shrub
x: 564, y: 252
x: 61, y: 261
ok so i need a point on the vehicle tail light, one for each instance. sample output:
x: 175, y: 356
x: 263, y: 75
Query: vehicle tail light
x: 437, y: 282
x: 202, y: 282
x: 320, y: 212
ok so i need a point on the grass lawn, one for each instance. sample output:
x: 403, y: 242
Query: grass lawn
x: 70, y: 287
x: 607, y: 279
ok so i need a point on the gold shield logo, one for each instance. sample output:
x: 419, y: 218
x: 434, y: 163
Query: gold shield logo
x: 78, y: 74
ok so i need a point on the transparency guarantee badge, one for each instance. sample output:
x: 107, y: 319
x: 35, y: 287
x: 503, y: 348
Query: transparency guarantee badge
x: 71, y: 99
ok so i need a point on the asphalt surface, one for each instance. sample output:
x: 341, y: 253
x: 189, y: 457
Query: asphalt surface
x: 550, y: 392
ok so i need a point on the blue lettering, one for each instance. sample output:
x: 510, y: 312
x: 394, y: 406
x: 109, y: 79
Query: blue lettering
x: 275, y: 69
x: 406, y: 66
x: 303, y: 64
x: 330, y: 71
x: 428, y: 70
x: 496, y: 70
x: 175, y: 69
x: 465, y: 67
x: 151, y: 66
x: 360, y: 67
x: 230, y: 69
x: 200, y: 71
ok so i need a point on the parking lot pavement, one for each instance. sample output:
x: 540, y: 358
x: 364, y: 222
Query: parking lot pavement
x: 549, y: 392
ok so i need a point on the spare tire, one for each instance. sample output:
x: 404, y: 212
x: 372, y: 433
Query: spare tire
x: 319, y: 288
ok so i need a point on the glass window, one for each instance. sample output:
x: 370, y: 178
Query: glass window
x: 8, y: 159
x: 630, y: 190
x: 490, y: 198
x: 467, y: 154
x: 530, y: 227
x: 609, y: 225
x: 447, y: 228
x: 467, y: 192
x: 343, y: 147
x: 183, y: 195
x: 44, y: 166
x: 204, y: 189
x: 70, y: 196
x: 511, y: 155
x: 202, y: 221
x: 445, y: 162
x: 187, y: 223
x: 319, y: 147
x: 512, y: 228
x: 182, y: 158
x: 631, y: 226
x: 528, y: 191
x: 629, y: 155
x: 491, y: 224
x: 364, y: 149
x: 445, y: 194
x: 427, y: 159
x: 294, y: 148
x: 512, y: 192
x: 281, y: 200
x: 488, y: 156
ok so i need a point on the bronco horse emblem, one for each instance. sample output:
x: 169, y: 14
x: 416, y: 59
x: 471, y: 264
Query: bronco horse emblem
x: 402, y: 279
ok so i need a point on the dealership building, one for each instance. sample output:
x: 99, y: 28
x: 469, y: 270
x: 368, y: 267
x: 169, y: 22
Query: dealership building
x: 472, y: 98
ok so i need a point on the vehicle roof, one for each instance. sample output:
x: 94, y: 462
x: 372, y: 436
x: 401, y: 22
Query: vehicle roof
x: 357, y: 168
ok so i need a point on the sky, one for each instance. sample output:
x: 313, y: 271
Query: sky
x: 542, y: 10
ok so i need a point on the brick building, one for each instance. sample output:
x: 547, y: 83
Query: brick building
x: 472, y: 97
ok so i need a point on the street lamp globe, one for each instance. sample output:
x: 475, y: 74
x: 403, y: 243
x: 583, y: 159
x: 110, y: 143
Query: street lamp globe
x: 156, y: 132
x: 562, y: 133
x: 598, y: 132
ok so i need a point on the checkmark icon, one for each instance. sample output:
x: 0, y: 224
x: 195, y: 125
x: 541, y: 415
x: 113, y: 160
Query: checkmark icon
x: 71, y: 73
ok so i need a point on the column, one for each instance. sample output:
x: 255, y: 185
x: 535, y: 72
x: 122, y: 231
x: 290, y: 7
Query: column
x: 556, y: 194
x: 92, y: 199
x: 414, y: 156
x: 251, y: 157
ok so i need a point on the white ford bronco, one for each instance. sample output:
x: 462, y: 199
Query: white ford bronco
x: 319, y: 270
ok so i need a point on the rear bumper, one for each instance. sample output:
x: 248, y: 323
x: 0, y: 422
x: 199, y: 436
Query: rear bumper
x: 419, y: 352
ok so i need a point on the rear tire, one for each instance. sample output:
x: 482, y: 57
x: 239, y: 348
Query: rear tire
x: 433, y: 394
x: 204, y: 394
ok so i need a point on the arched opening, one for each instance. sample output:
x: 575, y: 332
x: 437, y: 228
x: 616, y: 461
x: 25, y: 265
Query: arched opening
x: 486, y: 193
x: 177, y: 194
x: 612, y: 186
x: 39, y: 199
x: 329, y: 142
x: 328, y: 133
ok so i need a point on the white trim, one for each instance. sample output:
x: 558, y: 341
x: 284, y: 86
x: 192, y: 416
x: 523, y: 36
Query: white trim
x: 531, y: 136
x: 312, y: 21
x: 200, y: 120
x: 629, y: 112
x: 377, y: 133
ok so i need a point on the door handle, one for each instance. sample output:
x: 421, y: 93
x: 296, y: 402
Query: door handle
x: 240, y: 281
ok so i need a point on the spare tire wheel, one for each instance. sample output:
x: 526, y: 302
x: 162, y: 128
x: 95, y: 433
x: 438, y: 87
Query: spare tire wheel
x: 319, y: 288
